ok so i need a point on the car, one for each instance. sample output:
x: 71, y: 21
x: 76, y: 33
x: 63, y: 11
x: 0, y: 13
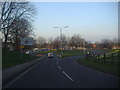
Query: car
x: 50, y: 55
x: 27, y: 52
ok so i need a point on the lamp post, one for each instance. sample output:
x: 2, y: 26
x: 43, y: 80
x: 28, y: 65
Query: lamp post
x: 83, y: 46
x: 61, y: 36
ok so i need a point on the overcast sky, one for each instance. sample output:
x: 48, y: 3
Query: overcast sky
x: 92, y: 20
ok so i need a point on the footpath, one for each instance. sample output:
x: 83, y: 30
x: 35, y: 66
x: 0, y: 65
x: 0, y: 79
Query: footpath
x: 10, y: 73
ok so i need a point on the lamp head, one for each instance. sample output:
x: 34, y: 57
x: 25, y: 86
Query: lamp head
x: 56, y: 27
x: 66, y: 27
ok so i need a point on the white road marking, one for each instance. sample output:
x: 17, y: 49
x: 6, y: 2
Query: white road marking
x: 20, y: 75
x: 67, y: 76
x: 64, y: 72
x: 57, y: 60
x: 57, y: 63
x: 59, y: 67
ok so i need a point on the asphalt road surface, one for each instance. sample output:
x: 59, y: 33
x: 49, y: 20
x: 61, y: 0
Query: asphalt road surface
x: 63, y: 73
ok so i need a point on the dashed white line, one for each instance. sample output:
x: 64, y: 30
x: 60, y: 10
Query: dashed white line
x: 57, y: 63
x: 67, y: 76
x: 59, y: 67
x: 64, y: 72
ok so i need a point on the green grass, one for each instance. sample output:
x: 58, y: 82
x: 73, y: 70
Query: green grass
x: 109, y: 50
x: 69, y: 53
x: 45, y: 52
x: 99, y: 65
x: 12, y: 58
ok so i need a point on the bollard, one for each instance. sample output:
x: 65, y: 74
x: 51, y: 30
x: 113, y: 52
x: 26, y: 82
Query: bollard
x: 112, y: 57
x: 98, y: 57
x: 104, y: 58
x: 94, y: 57
x: 87, y: 55
x: 118, y: 57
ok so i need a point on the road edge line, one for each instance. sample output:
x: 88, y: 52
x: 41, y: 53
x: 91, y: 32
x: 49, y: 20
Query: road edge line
x: 31, y: 67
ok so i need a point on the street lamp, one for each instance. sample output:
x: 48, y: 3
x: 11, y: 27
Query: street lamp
x: 61, y: 36
x: 83, y: 46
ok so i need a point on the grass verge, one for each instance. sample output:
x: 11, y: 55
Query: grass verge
x: 98, y: 65
x: 69, y: 53
x: 12, y: 58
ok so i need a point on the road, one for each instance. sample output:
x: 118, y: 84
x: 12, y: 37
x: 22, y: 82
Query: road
x: 63, y: 73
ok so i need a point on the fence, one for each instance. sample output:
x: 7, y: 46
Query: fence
x: 111, y: 58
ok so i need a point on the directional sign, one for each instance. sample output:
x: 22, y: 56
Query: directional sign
x: 27, y: 41
x: 22, y: 46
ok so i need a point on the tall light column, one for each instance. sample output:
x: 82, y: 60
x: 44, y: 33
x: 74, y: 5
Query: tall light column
x: 61, y: 36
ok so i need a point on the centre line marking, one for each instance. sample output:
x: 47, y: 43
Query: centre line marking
x: 59, y: 67
x: 67, y: 76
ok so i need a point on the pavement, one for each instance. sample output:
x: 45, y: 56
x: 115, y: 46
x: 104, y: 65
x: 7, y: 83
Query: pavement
x: 0, y: 79
x: 13, y: 72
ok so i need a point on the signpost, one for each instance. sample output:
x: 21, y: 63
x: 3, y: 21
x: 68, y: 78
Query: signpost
x: 22, y: 46
x: 21, y: 50
x: 26, y: 41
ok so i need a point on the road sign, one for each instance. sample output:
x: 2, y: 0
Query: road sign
x: 27, y: 41
x: 22, y: 46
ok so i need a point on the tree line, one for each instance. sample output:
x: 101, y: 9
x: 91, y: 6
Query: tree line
x: 75, y: 42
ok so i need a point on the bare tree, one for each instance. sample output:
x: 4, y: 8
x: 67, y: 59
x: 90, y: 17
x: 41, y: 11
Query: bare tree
x: 64, y: 41
x: 56, y: 42
x: 115, y: 43
x: 67, y: 43
x: 50, y: 43
x: 76, y: 41
x: 11, y: 11
x: 41, y: 42
x: 20, y: 29
x: 106, y: 43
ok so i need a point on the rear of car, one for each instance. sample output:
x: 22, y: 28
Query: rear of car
x: 50, y: 55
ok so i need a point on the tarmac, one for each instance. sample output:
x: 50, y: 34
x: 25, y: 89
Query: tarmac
x: 10, y: 73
